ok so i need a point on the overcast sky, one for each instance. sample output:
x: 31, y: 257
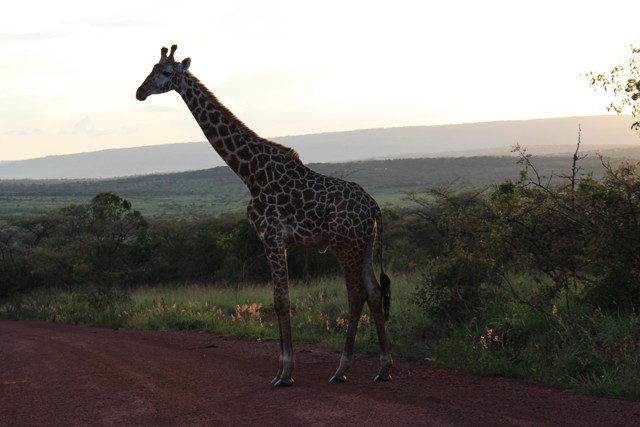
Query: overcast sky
x: 69, y: 69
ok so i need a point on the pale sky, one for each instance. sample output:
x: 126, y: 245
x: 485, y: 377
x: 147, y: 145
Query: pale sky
x: 70, y: 69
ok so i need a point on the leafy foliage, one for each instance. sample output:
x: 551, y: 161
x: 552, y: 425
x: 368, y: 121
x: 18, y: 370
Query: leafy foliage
x: 100, y: 243
x: 580, y: 237
x: 538, y: 277
x: 105, y: 243
x: 624, y: 82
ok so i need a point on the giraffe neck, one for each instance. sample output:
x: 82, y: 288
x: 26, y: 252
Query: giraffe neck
x: 240, y: 147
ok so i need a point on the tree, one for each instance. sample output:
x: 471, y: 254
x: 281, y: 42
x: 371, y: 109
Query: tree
x: 115, y: 235
x: 102, y: 243
x: 578, y: 238
x: 624, y: 82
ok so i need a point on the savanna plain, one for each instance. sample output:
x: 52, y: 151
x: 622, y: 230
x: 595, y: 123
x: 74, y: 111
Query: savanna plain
x: 532, y: 278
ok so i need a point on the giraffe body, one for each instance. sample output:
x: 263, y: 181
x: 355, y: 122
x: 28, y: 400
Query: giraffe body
x: 290, y: 205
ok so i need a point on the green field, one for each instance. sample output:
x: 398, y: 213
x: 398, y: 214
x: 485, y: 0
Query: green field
x: 219, y: 190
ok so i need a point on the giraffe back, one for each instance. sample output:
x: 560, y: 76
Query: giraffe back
x: 302, y: 207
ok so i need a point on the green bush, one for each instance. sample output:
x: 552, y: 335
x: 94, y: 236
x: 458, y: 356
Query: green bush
x: 539, y: 278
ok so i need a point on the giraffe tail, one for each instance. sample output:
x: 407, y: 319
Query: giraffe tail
x: 385, y: 286
x: 385, y: 282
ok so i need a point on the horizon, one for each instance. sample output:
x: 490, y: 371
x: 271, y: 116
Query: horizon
x: 554, y: 136
x: 290, y: 69
x: 280, y: 137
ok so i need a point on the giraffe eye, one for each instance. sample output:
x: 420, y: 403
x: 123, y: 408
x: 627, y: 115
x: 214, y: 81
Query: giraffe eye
x: 166, y: 73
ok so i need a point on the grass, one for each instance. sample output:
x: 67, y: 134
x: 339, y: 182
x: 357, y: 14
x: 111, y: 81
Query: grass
x: 585, y: 351
x: 319, y: 310
x: 224, y: 200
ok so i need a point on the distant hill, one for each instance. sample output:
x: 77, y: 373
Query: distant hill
x: 544, y: 136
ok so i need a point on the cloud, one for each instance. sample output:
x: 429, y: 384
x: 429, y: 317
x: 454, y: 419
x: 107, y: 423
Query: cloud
x: 34, y: 36
x: 22, y: 114
x: 156, y: 109
x: 113, y: 21
x: 86, y: 127
x: 25, y: 131
x: 70, y: 28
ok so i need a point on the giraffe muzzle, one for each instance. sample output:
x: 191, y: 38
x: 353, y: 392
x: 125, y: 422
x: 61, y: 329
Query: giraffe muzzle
x: 140, y: 96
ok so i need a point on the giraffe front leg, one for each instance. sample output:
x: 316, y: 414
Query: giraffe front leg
x: 282, y: 306
x: 286, y: 360
x: 275, y: 379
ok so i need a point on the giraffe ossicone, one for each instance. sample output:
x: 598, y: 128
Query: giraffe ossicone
x: 291, y: 205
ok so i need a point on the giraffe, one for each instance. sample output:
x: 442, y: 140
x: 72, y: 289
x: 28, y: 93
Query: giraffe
x: 291, y: 205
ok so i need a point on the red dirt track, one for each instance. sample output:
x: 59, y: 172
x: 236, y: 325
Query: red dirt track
x: 53, y: 374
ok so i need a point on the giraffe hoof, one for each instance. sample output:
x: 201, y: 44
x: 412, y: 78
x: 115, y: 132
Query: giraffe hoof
x: 381, y: 379
x: 275, y: 380
x: 282, y: 383
x: 338, y: 379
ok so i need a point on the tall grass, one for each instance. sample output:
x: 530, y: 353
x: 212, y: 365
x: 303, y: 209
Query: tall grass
x: 319, y: 311
x: 585, y: 351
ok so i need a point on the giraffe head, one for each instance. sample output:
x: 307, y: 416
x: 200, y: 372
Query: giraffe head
x: 164, y: 75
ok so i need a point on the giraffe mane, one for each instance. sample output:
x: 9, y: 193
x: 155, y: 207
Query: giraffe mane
x: 240, y: 124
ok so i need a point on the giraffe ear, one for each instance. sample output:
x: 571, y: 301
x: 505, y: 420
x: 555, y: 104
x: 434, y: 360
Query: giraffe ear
x: 186, y: 62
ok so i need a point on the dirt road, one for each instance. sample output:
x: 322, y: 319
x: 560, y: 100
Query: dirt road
x: 52, y: 374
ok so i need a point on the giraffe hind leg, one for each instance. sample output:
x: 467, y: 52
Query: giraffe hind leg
x: 386, y: 362
x: 376, y: 301
x: 351, y: 261
x: 356, y: 302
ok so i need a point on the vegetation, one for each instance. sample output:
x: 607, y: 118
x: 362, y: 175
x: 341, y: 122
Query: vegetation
x: 535, y: 278
x: 624, y: 82
x: 218, y: 190
x: 534, y: 281
x: 320, y: 310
